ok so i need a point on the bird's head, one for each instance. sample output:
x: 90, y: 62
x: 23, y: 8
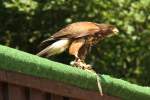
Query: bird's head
x: 108, y: 30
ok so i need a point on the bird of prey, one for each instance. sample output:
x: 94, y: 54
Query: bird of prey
x: 78, y: 38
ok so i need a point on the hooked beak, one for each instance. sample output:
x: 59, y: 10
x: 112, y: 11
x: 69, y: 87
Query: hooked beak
x: 115, y: 31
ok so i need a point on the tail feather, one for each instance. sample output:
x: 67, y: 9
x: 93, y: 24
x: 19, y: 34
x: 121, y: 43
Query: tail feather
x: 46, y: 43
x: 44, y: 52
x: 47, y: 40
x: 55, y: 48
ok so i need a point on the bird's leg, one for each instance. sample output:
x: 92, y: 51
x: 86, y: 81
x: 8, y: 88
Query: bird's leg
x: 77, y: 62
x: 81, y: 64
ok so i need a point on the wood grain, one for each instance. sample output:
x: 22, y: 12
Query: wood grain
x: 56, y: 97
x: 37, y: 95
x: 50, y: 86
x: 16, y: 92
x: 1, y: 91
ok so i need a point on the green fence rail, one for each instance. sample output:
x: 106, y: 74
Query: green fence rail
x: 22, y: 62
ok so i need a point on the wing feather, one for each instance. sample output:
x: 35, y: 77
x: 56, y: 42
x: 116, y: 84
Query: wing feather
x: 75, y: 30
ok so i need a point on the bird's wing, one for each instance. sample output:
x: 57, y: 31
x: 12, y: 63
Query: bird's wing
x: 76, y: 30
x: 89, y: 32
x: 75, y: 46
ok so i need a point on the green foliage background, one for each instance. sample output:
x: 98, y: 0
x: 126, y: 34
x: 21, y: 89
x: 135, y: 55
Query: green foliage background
x: 25, y: 23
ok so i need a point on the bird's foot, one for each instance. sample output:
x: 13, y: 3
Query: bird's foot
x: 81, y: 65
x: 76, y: 64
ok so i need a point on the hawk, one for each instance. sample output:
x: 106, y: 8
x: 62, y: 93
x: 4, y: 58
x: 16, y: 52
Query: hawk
x: 78, y: 38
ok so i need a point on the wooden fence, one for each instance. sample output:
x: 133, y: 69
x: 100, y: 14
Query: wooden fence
x: 16, y: 86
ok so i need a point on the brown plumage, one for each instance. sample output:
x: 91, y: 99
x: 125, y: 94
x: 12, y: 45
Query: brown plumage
x: 78, y: 37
